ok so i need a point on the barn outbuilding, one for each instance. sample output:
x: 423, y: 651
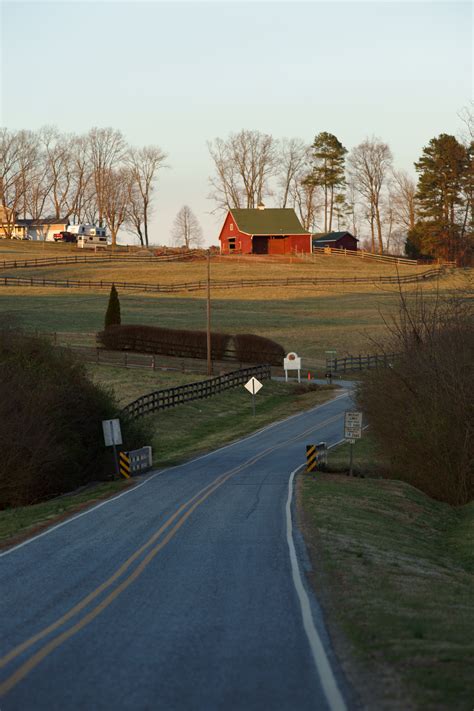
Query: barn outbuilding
x: 263, y: 230
x: 336, y: 240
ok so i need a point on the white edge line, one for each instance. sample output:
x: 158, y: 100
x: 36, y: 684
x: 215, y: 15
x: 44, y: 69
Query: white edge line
x: 328, y: 681
x: 345, y: 393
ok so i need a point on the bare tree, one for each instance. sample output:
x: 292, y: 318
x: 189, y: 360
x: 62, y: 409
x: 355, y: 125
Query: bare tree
x: 18, y: 155
x: 186, y: 231
x: 58, y: 159
x: 403, y: 189
x: 244, y: 164
x: 107, y: 150
x: 135, y: 218
x: 369, y: 165
x: 115, y: 187
x: 292, y: 155
x: 145, y: 164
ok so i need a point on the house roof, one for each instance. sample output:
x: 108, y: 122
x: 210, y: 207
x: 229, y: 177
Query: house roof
x: 270, y: 221
x: 28, y: 222
x: 330, y: 236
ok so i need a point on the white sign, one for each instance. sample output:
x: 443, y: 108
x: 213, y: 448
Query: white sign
x: 292, y: 362
x: 352, y: 425
x: 112, y: 432
x: 253, y: 386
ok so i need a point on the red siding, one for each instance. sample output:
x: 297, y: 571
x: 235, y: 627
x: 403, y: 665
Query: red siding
x: 243, y: 243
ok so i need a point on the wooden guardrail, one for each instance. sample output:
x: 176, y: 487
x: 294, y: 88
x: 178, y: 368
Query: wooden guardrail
x: 95, y: 259
x: 216, y: 284
x: 171, y: 397
x: 351, y: 363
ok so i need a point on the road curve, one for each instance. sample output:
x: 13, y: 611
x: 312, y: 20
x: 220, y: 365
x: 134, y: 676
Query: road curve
x: 185, y: 592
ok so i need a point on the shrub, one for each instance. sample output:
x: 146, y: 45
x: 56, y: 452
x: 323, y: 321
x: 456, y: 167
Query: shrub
x: 257, y: 349
x: 246, y: 347
x: 112, y: 315
x: 421, y: 409
x: 50, y: 422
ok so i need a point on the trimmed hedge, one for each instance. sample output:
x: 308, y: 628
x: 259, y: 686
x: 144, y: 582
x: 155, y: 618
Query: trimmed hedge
x: 244, y: 348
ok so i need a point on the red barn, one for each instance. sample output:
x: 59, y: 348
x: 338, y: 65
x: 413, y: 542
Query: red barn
x: 263, y: 230
x: 336, y: 240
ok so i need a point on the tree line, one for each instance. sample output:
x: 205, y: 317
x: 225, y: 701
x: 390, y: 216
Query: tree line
x: 331, y: 188
x: 98, y: 178
x: 95, y: 178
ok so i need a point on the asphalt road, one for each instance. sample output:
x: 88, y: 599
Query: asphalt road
x: 186, y: 592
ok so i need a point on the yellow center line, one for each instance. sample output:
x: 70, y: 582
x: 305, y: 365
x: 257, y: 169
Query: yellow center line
x: 36, y: 658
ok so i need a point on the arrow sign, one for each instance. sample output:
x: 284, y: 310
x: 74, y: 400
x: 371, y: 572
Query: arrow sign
x: 253, y: 386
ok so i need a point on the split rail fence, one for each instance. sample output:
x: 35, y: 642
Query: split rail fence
x: 360, y: 362
x: 215, y: 284
x: 95, y: 259
x: 171, y: 397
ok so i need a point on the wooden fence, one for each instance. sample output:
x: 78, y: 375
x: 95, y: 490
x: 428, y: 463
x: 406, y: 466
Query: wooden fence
x: 360, y: 362
x: 96, y: 259
x: 171, y: 397
x: 385, y: 258
x: 216, y: 284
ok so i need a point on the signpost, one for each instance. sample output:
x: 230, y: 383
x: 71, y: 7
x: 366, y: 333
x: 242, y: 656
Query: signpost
x: 352, y: 431
x: 253, y: 386
x: 292, y: 362
x: 113, y: 437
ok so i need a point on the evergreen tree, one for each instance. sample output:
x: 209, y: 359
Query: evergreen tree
x: 112, y: 315
x: 441, y: 196
x: 328, y: 171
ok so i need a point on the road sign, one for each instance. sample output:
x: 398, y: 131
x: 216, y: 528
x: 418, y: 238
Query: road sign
x: 253, y: 386
x: 112, y: 433
x: 352, y: 425
x: 125, y: 464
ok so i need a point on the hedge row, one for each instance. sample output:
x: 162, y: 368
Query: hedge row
x: 244, y: 347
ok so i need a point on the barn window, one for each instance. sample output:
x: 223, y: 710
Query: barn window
x: 231, y: 243
x: 231, y: 226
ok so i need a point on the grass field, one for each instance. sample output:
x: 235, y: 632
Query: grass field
x: 395, y: 571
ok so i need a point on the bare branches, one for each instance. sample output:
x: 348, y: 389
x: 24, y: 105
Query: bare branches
x: 369, y: 166
x: 186, y: 230
x: 243, y: 164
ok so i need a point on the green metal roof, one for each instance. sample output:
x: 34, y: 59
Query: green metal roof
x: 270, y: 221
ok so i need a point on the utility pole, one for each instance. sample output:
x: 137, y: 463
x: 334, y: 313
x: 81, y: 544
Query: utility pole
x: 209, y: 344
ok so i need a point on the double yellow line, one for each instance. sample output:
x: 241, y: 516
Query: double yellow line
x: 191, y: 505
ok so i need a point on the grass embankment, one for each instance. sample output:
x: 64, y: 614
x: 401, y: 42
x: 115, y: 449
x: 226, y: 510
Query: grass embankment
x: 395, y: 571
x: 177, y: 434
x: 128, y: 384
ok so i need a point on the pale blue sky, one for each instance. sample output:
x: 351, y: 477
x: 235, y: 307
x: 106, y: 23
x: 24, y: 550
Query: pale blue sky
x: 177, y: 74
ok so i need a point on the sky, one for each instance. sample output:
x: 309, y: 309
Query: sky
x: 178, y: 74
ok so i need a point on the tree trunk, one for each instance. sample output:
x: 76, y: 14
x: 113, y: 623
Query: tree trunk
x: 379, y: 229
x: 331, y: 207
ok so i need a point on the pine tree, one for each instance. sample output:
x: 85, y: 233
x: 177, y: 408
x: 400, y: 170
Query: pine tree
x: 442, y: 168
x: 328, y: 171
x: 112, y: 315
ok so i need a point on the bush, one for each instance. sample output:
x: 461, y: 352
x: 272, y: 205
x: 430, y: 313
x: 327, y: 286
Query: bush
x: 51, y: 436
x: 257, y: 349
x: 421, y: 409
x: 246, y: 348
x: 164, y: 341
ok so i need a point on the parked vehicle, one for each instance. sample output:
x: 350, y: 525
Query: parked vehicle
x: 91, y: 242
x: 90, y: 230
x: 64, y: 237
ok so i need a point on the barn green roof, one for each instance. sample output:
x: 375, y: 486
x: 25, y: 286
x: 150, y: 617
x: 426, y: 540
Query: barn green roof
x: 270, y: 221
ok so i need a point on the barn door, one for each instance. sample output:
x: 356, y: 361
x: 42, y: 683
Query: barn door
x: 260, y: 245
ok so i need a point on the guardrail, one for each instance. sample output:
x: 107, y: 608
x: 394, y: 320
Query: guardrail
x: 360, y: 362
x: 215, y: 284
x: 171, y: 397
